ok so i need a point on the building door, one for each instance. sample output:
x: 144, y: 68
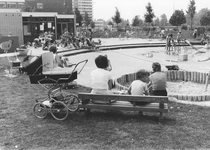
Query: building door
x: 60, y: 28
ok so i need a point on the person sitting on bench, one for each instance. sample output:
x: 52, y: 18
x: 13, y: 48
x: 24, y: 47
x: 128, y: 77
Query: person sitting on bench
x: 57, y: 60
x: 158, y: 81
x: 100, y: 77
x: 139, y: 86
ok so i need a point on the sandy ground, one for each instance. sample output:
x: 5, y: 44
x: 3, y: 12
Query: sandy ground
x: 131, y: 60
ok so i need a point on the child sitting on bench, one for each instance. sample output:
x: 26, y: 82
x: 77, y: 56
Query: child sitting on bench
x: 139, y: 86
x: 57, y: 61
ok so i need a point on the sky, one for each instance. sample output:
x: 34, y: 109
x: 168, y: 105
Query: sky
x: 105, y: 9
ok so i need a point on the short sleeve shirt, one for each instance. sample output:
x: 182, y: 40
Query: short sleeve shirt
x: 158, y: 80
x: 138, y: 87
x: 100, y: 78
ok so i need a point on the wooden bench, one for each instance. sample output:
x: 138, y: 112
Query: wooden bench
x: 157, y: 103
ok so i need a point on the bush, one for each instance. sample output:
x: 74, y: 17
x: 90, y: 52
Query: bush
x: 184, y: 27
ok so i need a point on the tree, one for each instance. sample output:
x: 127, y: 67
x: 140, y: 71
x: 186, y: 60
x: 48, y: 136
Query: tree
x: 92, y: 24
x: 191, y: 11
x: 78, y: 16
x: 178, y: 18
x: 117, y: 19
x: 149, y: 14
x: 199, y: 15
x: 157, y: 22
x: 136, y: 21
x: 110, y: 23
x: 163, y: 20
x: 86, y: 19
x: 27, y: 8
x: 205, y: 20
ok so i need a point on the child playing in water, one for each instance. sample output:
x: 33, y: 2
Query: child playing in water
x: 169, y: 43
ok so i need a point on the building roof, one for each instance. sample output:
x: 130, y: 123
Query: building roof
x: 21, y: 1
x: 46, y: 14
x: 10, y: 10
x: 39, y: 14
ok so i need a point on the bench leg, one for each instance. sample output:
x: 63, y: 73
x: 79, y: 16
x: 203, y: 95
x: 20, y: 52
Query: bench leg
x: 160, y: 117
x: 141, y: 113
x: 87, y: 111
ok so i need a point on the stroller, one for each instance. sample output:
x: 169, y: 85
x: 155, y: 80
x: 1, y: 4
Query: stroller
x: 57, y: 102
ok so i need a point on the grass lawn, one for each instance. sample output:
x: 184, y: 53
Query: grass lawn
x: 185, y: 126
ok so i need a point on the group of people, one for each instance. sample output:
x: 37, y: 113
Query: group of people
x: 46, y: 39
x: 145, y: 84
x: 171, y: 43
x: 78, y: 42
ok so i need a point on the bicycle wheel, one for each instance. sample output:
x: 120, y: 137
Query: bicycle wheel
x: 59, y: 110
x: 40, y: 110
x: 72, y: 102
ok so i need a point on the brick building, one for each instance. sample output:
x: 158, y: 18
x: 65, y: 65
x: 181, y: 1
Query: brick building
x: 49, y: 15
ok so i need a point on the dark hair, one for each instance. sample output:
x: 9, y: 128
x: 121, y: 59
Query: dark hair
x: 156, y: 67
x: 142, y: 73
x: 101, y: 62
x: 53, y: 49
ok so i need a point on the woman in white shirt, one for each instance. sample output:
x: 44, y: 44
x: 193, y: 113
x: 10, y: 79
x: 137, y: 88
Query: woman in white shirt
x: 101, y: 76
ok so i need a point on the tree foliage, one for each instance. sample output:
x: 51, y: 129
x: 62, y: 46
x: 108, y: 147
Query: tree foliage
x: 149, y: 14
x: 163, y: 20
x: 78, y: 16
x: 205, y: 20
x: 191, y: 11
x: 157, y: 22
x: 27, y: 8
x: 92, y: 24
x: 110, y: 23
x: 178, y: 18
x: 136, y: 21
x: 117, y: 19
x: 86, y: 19
x: 199, y: 15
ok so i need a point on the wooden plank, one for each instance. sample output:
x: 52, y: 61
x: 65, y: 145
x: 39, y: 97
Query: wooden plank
x: 192, y: 76
x: 168, y: 75
x: 123, y: 97
x: 178, y: 75
x: 188, y: 76
x: 127, y: 108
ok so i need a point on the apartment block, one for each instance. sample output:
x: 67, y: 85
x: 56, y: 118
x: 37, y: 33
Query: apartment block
x: 83, y: 6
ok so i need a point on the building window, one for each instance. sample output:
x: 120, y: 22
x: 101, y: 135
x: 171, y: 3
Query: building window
x: 26, y: 29
x: 39, y: 5
x: 11, y: 5
x: 3, y: 5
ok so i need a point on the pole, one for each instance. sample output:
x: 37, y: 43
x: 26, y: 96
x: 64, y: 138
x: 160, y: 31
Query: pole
x: 207, y: 81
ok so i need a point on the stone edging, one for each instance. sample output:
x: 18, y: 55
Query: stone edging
x: 196, y: 77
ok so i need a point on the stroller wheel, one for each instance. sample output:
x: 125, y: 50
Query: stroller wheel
x: 72, y: 102
x: 59, y: 111
x: 40, y: 110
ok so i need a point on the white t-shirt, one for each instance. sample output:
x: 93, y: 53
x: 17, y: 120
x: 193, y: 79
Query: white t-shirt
x: 138, y: 87
x: 100, y: 78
